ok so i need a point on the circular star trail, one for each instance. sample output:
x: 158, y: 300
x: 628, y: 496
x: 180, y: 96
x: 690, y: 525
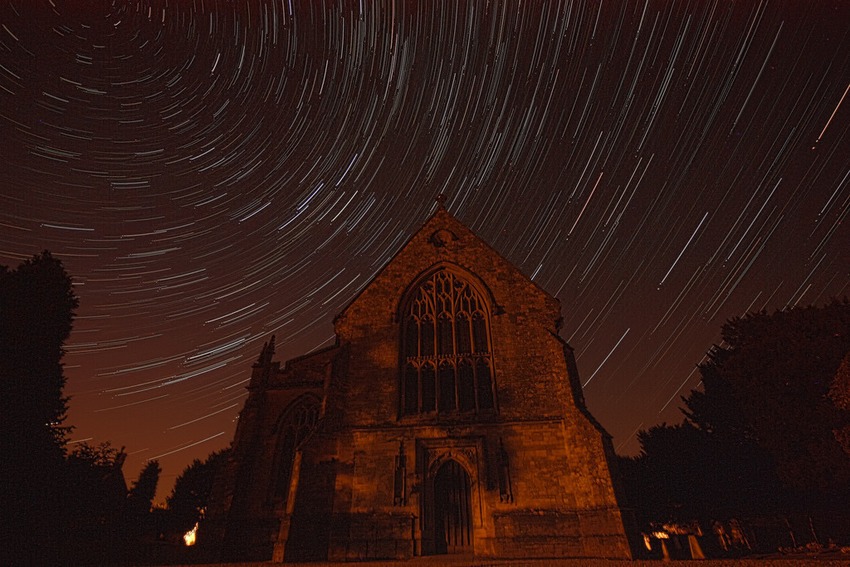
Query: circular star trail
x: 214, y: 172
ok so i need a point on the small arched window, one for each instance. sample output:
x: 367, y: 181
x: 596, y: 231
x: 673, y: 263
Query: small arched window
x: 447, y: 358
x: 298, y: 423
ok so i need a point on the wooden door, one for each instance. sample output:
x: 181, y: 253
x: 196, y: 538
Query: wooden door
x: 452, y: 510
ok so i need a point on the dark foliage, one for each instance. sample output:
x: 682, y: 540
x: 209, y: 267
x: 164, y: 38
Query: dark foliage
x: 760, y: 437
x: 839, y: 393
x: 93, y: 506
x: 141, y: 495
x: 769, y: 384
x: 685, y: 474
x: 140, y: 523
x: 37, y: 305
x: 192, y: 490
x: 57, y: 508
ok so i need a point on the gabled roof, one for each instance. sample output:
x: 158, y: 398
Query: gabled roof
x: 431, y: 230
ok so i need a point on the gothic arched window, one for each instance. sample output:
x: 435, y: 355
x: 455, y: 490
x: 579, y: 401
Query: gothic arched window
x: 447, y: 358
x: 295, y: 427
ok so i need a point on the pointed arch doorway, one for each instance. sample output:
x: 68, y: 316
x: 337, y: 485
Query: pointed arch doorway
x: 452, y: 510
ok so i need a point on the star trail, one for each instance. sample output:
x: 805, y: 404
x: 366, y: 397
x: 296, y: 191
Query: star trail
x: 213, y: 172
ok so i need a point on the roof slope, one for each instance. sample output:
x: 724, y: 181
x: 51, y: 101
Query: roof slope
x: 445, y: 239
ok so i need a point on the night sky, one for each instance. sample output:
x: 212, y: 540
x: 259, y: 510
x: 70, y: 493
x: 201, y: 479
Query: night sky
x: 212, y: 172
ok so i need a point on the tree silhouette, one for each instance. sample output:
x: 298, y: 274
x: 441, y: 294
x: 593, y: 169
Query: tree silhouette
x: 769, y: 384
x: 839, y: 393
x: 141, y: 495
x: 94, y: 505
x: 760, y: 437
x: 685, y: 473
x: 37, y: 305
x: 140, y: 520
x: 192, y: 489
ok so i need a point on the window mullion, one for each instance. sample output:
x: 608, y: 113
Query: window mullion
x: 456, y: 383
x: 419, y: 388
x: 433, y: 316
x: 475, y: 383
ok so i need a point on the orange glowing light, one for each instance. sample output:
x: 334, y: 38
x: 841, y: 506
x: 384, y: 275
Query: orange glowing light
x: 189, y: 537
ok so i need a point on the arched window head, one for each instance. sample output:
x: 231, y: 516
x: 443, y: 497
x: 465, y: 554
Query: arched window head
x: 447, y: 355
x: 297, y: 424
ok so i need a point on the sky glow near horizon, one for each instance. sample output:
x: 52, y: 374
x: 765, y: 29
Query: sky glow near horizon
x: 212, y: 172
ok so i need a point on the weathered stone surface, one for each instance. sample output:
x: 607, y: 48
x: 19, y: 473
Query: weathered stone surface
x: 330, y: 464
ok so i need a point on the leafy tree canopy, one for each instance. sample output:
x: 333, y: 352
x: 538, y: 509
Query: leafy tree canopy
x: 141, y: 495
x: 37, y: 303
x: 839, y: 393
x: 769, y: 383
x: 766, y: 430
x: 192, y: 489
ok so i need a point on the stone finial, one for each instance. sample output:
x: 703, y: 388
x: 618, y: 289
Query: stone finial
x: 266, y: 354
x: 262, y: 356
x: 270, y: 350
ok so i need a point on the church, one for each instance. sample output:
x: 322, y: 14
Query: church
x: 447, y: 418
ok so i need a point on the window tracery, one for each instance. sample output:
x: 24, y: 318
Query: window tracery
x: 447, y: 354
x: 296, y: 427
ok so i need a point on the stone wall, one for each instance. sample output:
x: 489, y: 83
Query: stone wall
x: 537, y: 465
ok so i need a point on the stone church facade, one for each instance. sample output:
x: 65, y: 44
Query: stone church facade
x: 447, y: 418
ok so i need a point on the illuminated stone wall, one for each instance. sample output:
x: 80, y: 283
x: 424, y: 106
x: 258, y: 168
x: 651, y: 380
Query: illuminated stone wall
x: 535, y: 478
